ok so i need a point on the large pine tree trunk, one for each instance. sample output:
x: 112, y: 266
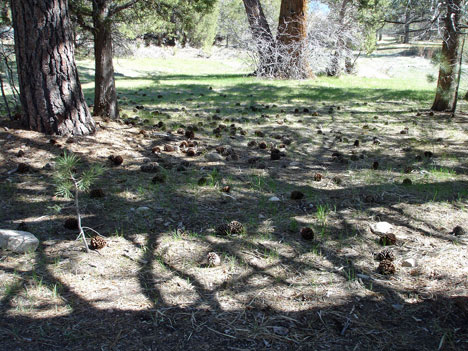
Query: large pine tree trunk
x: 447, y: 83
x: 292, y: 33
x: 264, y: 40
x: 105, y: 96
x: 50, y: 91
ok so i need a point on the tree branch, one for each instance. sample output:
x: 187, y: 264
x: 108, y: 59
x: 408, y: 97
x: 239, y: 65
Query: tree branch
x: 117, y: 9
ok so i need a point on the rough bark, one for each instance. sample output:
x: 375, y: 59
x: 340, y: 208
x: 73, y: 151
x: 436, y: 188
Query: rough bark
x: 335, y: 69
x: 105, y: 96
x: 292, y: 32
x: 406, y: 29
x: 50, y: 91
x: 263, y: 38
x: 446, y: 84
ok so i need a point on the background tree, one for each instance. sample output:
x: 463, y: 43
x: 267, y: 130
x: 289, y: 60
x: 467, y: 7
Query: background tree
x: 292, y: 33
x: 101, y: 16
x: 263, y: 38
x: 407, y: 13
x: 50, y: 91
x: 446, y: 92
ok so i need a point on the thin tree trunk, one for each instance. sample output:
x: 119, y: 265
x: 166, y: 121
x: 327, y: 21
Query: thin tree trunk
x: 50, y: 91
x: 335, y: 68
x: 406, y: 30
x: 262, y: 36
x: 105, y: 96
x: 292, y: 33
x: 446, y: 84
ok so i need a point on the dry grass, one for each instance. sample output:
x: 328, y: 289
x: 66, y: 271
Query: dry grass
x: 151, y: 287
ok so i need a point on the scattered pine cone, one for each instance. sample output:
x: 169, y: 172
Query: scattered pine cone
x: 202, y: 181
x: 96, y: 193
x: 233, y: 227
x: 97, y: 243
x: 386, y: 267
x: 116, y: 160
x: 307, y: 233
x: 156, y: 150
x: 259, y: 133
x: 189, y: 134
x: 159, y: 178
x: 458, y: 231
x: 318, y: 177
x: 191, y: 152
x: 213, y: 259
x: 23, y: 168
x: 262, y: 145
x: 169, y: 148
x: 407, y: 181
x: 337, y: 180
x: 226, y: 189
x: 375, y: 165
x: 356, y: 143
x: 71, y: 223
x: 385, y: 255
x: 388, y: 239
x: 275, y: 154
x: 297, y: 195
x: 252, y: 143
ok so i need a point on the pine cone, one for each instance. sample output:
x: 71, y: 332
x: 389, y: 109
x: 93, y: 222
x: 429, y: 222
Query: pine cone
x: 234, y: 227
x: 307, y: 233
x: 97, y: 243
x: 385, y: 255
x: 213, y: 259
x: 386, y: 267
x: 388, y: 239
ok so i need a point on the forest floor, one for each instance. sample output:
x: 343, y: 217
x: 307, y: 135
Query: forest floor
x: 361, y: 150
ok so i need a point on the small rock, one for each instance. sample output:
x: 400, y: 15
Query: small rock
x: 18, y: 241
x: 410, y: 262
x: 213, y: 157
x: 274, y: 199
x: 152, y: 167
x: 142, y: 209
x: 381, y: 228
x: 398, y: 307
x: 283, y: 331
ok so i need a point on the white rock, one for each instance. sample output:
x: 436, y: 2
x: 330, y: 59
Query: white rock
x: 381, y: 228
x: 143, y: 209
x: 18, y: 241
x: 213, y: 157
x: 410, y: 262
x: 274, y: 199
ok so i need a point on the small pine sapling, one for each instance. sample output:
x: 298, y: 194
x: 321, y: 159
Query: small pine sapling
x: 70, y: 182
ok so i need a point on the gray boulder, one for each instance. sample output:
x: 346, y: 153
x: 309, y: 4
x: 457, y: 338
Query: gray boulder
x: 17, y: 241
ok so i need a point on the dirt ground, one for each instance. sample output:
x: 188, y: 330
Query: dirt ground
x: 151, y: 287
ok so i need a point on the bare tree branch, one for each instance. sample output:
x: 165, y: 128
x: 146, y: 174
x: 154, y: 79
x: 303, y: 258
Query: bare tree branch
x: 116, y: 9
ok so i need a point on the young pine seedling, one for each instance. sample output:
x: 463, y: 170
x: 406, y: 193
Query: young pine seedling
x: 70, y: 183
